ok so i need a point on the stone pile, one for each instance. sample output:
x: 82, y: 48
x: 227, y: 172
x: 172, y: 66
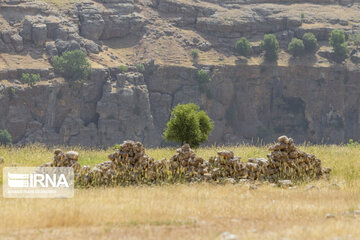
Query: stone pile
x: 286, y: 161
x: 226, y: 165
x: 187, y: 165
x: 130, y: 165
x: 68, y: 159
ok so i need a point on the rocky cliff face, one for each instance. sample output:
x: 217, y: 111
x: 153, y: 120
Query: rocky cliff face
x: 311, y: 98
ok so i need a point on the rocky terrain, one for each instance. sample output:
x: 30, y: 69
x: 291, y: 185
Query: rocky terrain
x: 312, y: 97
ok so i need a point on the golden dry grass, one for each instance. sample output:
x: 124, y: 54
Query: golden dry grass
x: 197, y: 211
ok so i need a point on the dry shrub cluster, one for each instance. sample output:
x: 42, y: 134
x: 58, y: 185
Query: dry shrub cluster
x: 130, y: 165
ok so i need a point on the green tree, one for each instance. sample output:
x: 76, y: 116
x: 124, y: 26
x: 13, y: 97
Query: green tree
x: 337, y: 41
x: 72, y: 65
x: 140, y: 67
x: 271, y: 46
x: 5, y: 137
x: 243, y: 47
x: 296, y: 47
x: 310, y: 42
x: 203, y: 76
x: 195, y: 54
x: 188, y: 124
x: 30, y: 78
x: 355, y: 38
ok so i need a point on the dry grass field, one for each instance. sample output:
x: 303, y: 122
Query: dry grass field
x: 191, y: 211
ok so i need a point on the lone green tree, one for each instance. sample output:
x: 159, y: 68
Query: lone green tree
x: 271, y: 46
x: 5, y: 137
x: 243, y: 47
x: 337, y: 41
x: 310, y: 42
x: 188, y: 124
x: 296, y: 47
x: 72, y: 65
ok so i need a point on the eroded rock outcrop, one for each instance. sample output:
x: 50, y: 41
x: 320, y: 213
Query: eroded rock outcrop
x: 111, y: 19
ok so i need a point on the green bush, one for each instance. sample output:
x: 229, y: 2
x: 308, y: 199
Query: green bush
x: 30, y: 78
x: 355, y: 38
x: 72, y: 65
x: 302, y: 16
x: 195, y: 54
x: 5, y: 138
x: 310, y: 42
x: 123, y: 68
x: 337, y: 41
x: 12, y: 93
x: 188, y: 125
x: 140, y: 67
x: 341, y: 52
x: 243, y: 47
x: 271, y: 47
x: 296, y: 47
x: 203, y: 76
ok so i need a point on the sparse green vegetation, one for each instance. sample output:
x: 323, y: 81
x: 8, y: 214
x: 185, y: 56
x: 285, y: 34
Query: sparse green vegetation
x: 11, y: 92
x: 195, y: 54
x: 123, y: 68
x: 30, y: 78
x: 5, y: 138
x: 188, y: 124
x: 72, y: 65
x: 310, y: 42
x: 296, y: 47
x: 271, y: 46
x: 355, y: 38
x: 140, y: 67
x: 203, y: 76
x: 302, y: 16
x: 243, y: 47
x: 337, y: 41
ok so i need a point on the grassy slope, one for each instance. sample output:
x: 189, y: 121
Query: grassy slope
x: 200, y: 211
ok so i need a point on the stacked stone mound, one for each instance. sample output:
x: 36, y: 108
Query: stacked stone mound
x: 286, y: 161
x: 69, y: 159
x: 186, y: 165
x: 128, y: 165
x: 227, y: 165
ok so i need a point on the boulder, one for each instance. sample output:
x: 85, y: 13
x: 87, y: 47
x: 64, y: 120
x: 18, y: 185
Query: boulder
x: 17, y: 42
x: 51, y: 49
x: 39, y: 34
x: 355, y: 58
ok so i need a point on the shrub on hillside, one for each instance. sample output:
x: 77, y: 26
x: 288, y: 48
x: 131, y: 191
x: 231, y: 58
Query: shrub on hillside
x: 203, y: 76
x: 271, y: 47
x: 337, y: 41
x: 5, y: 137
x: 310, y: 42
x: 243, y: 47
x: 195, y: 54
x: 296, y: 47
x: 72, y: 65
x: 30, y: 78
x: 123, y: 68
x: 355, y: 38
x: 140, y: 67
x: 188, y: 124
